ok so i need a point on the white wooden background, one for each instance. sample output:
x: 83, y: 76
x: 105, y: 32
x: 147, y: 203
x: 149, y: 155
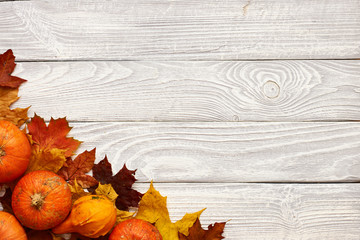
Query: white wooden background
x: 248, y: 108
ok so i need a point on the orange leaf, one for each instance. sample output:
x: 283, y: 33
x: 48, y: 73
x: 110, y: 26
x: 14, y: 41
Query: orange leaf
x: 50, y: 144
x: 8, y: 96
x: 78, y: 168
x: 7, y: 66
x: 196, y: 232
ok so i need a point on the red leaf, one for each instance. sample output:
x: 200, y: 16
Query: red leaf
x: 7, y: 66
x: 196, y: 232
x: 52, y: 136
x: 121, y: 182
x: 77, y: 169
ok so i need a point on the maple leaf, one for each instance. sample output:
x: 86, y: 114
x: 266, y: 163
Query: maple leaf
x: 108, y: 191
x: 196, y: 232
x: 153, y: 208
x: 8, y: 96
x: 122, y: 183
x: 77, y: 169
x: 7, y: 66
x: 77, y: 191
x: 50, y: 144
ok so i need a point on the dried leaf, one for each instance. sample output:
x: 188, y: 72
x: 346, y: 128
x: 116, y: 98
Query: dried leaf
x: 78, y: 168
x: 5, y: 201
x: 122, y: 183
x: 106, y: 190
x: 110, y: 193
x: 8, y: 96
x: 50, y: 144
x: 123, y: 215
x: 41, y: 235
x: 152, y: 208
x: 196, y: 232
x: 7, y: 66
x: 77, y: 191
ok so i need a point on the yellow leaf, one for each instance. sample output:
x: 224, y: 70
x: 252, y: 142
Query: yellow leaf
x: 123, y: 215
x: 187, y: 222
x: 77, y: 191
x: 51, y: 160
x: 106, y: 190
x: 152, y: 208
x: 7, y: 97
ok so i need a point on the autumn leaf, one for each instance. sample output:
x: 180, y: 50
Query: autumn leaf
x: 77, y: 191
x: 108, y: 191
x: 5, y: 201
x: 196, y: 232
x: 122, y: 183
x: 42, y: 235
x: 77, y: 169
x: 50, y: 144
x: 8, y: 96
x: 7, y: 66
x: 153, y: 208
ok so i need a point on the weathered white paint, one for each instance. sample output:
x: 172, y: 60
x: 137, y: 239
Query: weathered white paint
x: 228, y: 152
x: 181, y: 29
x: 192, y: 91
x: 269, y: 211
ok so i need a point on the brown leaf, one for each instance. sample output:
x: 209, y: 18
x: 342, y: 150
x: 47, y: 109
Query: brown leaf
x: 196, y: 232
x: 77, y: 191
x: 77, y: 169
x: 122, y: 183
x: 50, y: 144
x: 7, y: 66
x: 40, y: 235
x: 5, y: 201
x: 8, y: 96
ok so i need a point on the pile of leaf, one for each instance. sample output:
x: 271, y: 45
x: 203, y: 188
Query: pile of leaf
x: 54, y: 151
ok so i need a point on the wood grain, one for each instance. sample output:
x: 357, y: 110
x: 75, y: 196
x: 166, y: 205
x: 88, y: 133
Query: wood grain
x: 269, y: 211
x: 228, y: 152
x: 193, y: 91
x: 181, y: 29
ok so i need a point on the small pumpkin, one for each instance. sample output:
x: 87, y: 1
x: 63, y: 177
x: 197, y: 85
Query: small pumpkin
x: 10, y: 228
x: 135, y: 229
x: 91, y: 216
x: 41, y: 200
x: 15, y: 152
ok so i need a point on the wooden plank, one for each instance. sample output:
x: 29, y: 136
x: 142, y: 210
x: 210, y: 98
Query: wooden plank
x: 269, y: 211
x: 181, y: 30
x: 228, y: 152
x: 193, y: 91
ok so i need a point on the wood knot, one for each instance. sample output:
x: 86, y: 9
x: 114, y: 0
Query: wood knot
x: 271, y: 89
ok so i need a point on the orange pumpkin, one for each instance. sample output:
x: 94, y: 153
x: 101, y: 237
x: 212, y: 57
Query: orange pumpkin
x: 135, y: 229
x: 91, y: 216
x: 10, y: 228
x: 41, y: 200
x: 15, y: 152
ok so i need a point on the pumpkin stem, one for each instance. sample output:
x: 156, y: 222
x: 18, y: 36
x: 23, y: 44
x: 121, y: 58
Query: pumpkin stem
x: 37, y: 200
